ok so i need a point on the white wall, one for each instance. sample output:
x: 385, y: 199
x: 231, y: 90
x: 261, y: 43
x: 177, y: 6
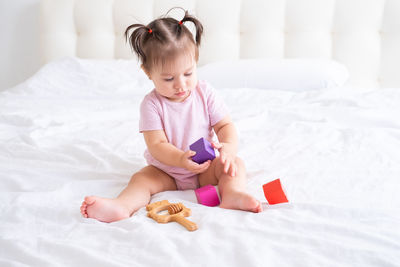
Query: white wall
x: 19, y: 45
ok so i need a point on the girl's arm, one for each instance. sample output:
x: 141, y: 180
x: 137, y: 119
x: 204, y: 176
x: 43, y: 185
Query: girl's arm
x: 159, y: 147
x: 227, y: 136
x: 228, y: 144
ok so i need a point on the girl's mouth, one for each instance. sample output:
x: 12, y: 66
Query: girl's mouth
x: 180, y: 94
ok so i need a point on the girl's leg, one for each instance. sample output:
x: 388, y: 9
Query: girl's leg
x: 143, y: 184
x: 232, y: 189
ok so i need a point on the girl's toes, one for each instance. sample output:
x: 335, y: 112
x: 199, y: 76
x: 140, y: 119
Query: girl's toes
x: 89, y: 200
x: 259, y: 208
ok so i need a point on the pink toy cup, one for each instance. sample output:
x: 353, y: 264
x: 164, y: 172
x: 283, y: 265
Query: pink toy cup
x: 207, y: 195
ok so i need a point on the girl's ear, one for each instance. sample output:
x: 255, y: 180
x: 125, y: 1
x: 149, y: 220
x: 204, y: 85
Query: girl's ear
x: 146, y: 71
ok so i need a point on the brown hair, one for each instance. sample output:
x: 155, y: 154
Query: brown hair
x: 163, y: 39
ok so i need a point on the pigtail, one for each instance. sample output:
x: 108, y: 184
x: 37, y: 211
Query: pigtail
x: 136, y: 39
x: 162, y: 39
x: 197, y: 24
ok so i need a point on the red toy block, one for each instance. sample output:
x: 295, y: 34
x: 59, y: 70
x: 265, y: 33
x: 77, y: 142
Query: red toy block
x: 274, y: 193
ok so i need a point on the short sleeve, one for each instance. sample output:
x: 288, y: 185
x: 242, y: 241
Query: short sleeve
x: 150, y: 116
x: 217, y: 109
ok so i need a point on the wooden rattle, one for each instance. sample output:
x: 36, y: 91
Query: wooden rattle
x: 177, y: 213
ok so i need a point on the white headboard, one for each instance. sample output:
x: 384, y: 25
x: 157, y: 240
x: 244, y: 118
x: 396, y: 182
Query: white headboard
x: 362, y: 34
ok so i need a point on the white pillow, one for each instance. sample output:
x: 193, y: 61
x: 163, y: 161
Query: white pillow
x: 278, y: 74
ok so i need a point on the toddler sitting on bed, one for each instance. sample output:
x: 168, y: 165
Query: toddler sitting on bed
x: 177, y: 112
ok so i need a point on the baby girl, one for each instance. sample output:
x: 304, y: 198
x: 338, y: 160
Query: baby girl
x: 177, y: 112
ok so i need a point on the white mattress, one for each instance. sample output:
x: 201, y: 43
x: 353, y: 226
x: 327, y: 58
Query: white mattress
x: 72, y: 130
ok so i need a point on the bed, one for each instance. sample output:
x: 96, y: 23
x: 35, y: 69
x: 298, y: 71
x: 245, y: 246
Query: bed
x: 314, y: 94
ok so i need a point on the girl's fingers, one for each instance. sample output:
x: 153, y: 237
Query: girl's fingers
x: 234, y: 170
x: 203, y: 166
x: 230, y: 168
x: 216, y: 145
x: 227, y: 166
x: 191, y: 153
x: 223, y: 157
x: 199, y: 168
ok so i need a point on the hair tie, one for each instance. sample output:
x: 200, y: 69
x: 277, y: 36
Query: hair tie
x: 150, y: 30
x: 180, y: 22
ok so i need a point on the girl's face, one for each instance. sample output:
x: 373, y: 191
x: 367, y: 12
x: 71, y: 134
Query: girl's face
x: 176, y: 80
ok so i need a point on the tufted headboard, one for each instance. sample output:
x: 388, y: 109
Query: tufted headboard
x: 362, y: 34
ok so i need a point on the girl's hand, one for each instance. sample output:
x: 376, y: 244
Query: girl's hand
x: 190, y: 165
x: 227, y: 159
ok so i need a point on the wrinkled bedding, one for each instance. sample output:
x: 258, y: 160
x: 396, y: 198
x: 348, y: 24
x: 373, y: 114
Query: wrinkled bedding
x: 72, y: 130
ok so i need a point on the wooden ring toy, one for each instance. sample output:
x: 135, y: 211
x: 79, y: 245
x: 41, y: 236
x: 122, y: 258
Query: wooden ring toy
x: 177, y: 213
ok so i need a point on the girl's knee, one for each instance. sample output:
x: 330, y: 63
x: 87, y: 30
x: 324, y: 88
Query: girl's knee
x: 139, y: 178
x: 241, y: 167
x: 239, y: 161
x: 154, y: 181
x: 144, y: 182
x: 219, y: 168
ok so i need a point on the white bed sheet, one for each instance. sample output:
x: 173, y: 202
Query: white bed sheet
x: 72, y: 130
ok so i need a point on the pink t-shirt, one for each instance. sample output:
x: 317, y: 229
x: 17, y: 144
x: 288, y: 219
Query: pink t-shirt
x: 183, y: 122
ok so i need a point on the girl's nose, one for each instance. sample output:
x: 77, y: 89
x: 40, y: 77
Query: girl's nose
x: 179, y: 83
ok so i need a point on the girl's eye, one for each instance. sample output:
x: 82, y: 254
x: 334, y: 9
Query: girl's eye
x: 170, y: 79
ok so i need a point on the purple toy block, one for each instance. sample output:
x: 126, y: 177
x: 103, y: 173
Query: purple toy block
x: 207, y: 195
x: 204, y: 151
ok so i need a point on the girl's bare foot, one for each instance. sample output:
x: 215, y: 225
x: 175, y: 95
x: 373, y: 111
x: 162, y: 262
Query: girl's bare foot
x: 104, y: 209
x: 240, y: 201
